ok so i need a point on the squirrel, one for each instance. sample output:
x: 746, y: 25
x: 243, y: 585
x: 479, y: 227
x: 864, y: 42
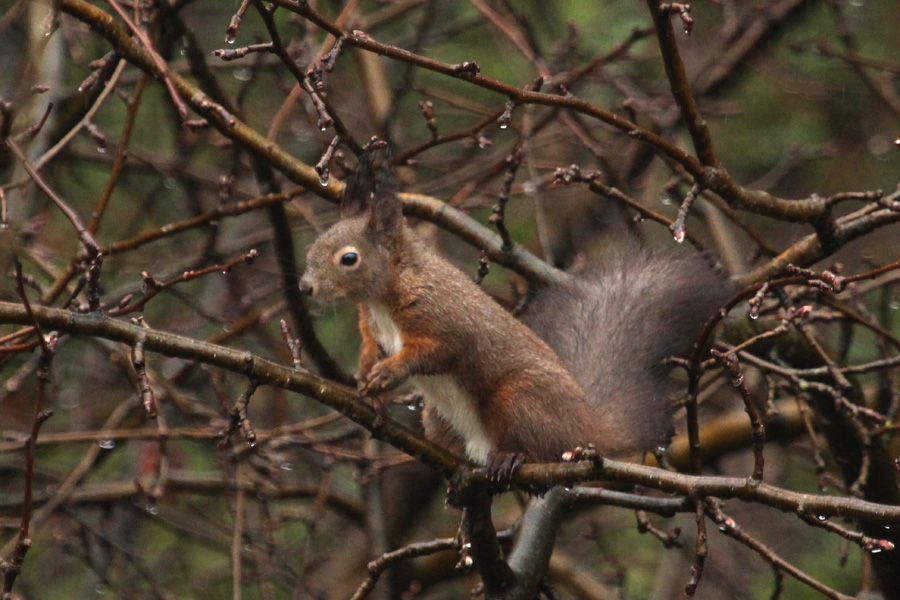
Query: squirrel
x: 583, y: 368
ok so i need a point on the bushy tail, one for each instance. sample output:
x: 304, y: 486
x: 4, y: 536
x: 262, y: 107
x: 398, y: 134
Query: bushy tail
x: 617, y: 323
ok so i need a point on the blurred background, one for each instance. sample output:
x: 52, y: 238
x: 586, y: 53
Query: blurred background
x: 801, y: 97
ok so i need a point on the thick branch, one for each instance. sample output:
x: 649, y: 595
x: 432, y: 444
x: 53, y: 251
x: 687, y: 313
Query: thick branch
x: 347, y: 402
x: 341, y: 398
x: 721, y: 487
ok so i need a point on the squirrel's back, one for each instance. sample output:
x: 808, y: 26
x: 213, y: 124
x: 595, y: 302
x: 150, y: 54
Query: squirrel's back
x: 614, y: 326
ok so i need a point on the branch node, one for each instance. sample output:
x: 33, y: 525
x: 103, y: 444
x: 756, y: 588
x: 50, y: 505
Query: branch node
x: 466, y: 69
x: 484, y: 267
x: 678, y: 227
x: 322, y: 166
x: 505, y: 118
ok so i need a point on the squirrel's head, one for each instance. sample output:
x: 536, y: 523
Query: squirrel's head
x: 353, y: 261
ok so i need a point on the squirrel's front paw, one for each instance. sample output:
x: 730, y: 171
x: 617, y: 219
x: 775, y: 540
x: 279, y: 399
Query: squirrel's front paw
x: 384, y: 375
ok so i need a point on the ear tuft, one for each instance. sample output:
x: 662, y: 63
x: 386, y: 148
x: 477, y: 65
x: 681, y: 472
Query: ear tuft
x: 386, y: 208
x: 374, y: 194
x: 361, y: 185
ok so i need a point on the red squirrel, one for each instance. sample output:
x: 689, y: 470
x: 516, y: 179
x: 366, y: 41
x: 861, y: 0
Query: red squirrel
x: 587, y: 371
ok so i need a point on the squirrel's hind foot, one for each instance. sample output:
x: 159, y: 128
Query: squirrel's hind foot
x: 503, y: 466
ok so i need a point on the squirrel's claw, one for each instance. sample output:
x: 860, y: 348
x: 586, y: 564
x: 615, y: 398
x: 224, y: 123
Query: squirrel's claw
x: 361, y: 380
x: 383, y: 376
x: 503, y: 466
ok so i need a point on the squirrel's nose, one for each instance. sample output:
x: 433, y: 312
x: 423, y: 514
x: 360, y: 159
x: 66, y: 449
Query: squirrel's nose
x: 306, y: 287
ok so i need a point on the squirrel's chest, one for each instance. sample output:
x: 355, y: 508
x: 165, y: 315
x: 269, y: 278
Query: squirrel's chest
x: 444, y: 391
x: 385, y: 330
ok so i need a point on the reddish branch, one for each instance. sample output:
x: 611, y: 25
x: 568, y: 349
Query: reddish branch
x: 573, y: 173
x: 160, y: 64
x: 678, y: 225
x: 385, y: 561
x: 497, y: 214
x: 293, y: 344
x: 728, y: 527
x: 115, y: 170
x: 239, y: 417
x: 151, y: 287
x: 90, y: 244
x: 145, y: 390
x: 201, y: 220
x: 758, y: 431
x: 322, y: 166
x: 13, y: 566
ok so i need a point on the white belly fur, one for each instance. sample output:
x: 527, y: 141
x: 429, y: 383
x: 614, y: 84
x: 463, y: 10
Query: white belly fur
x: 443, y: 392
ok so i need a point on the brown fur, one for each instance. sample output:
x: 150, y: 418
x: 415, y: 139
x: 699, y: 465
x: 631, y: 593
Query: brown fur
x: 492, y: 386
x: 518, y: 387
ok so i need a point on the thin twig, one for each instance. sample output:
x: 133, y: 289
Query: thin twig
x: 758, y: 431
x: 157, y: 59
x: 90, y: 244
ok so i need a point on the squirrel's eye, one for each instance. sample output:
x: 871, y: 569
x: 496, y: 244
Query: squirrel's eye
x: 347, y: 257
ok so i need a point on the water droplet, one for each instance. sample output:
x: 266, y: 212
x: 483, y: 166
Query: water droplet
x: 666, y: 200
x: 101, y: 149
x: 101, y: 589
x: 503, y: 125
x: 754, y: 315
x: 152, y: 509
x: 229, y: 40
x: 822, y: 517
x: 107, y: 443
x: 323, y: 128
x: 894, y: 304
x: 876, y: 550
x: 679, y: 236
x: 285, y: 466
x: 242, y: 74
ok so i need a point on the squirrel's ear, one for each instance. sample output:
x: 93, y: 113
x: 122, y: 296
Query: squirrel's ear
x: 361, y: 185
x: 385, y: 207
